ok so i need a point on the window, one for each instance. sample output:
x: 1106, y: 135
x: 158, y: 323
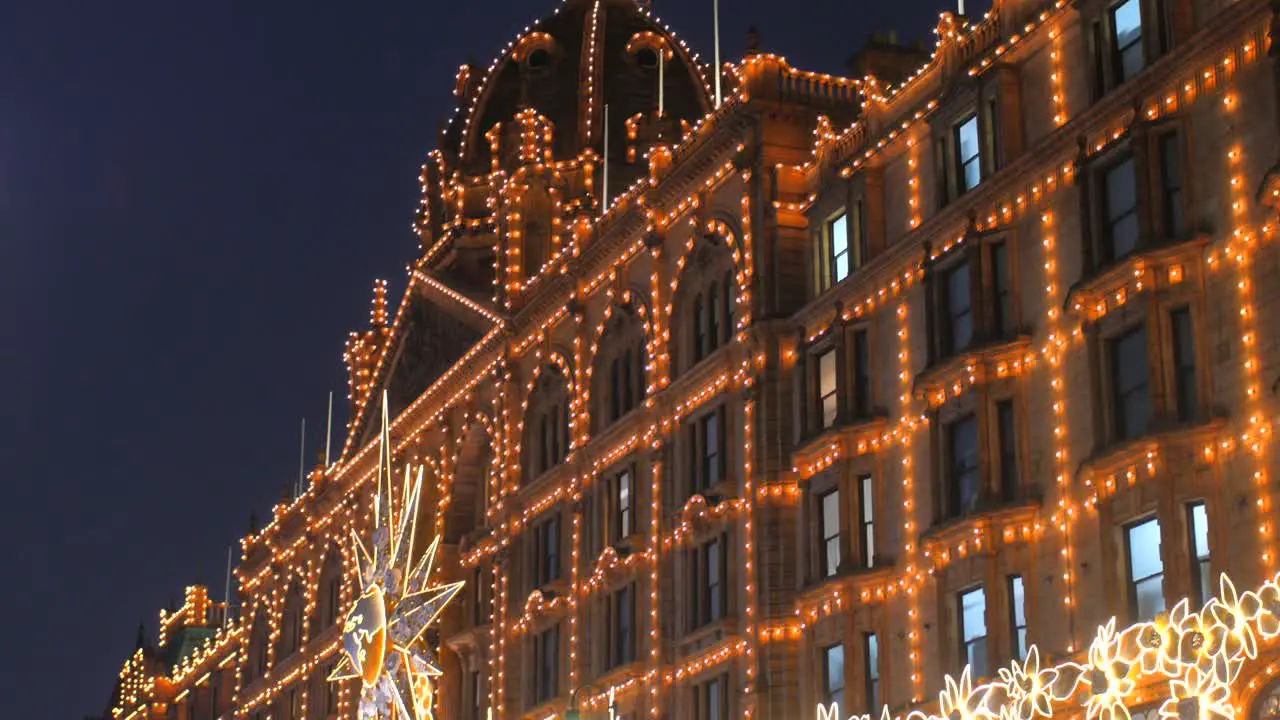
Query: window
x: 701, y: 344
x: 546, y: 665
x: 715, y: 317
x: 1131, y: 402
x: 1184, y: 365
x: 838, y: 242
x: 332, y: 598
x: 957, y: 310
x: 1145, y: 569
x: 710, y: 699
x: 829, y: 524
x: 708, y: 451
x: 477, y: 696
x: 481, y: 611
x: 862, y: 250
x: 1120, y: 209
x: 833, y: 675
x: 547, y: 551
x: 727, y: 330
x: 1201, y: 574
x: 1018, y: 616
x: 1008, y: 439
x: 1173, y: 212
x: 964, y: 483
x: 549, y: 414
x: 626, y: 381
x: 861, y: 375
x: 622, y: 522
x: 622, y: 627
x: 1126, y: 39
x: 990, y: 134
x: 973, y: 630
x: 968, y: 154
x: 866, y: 520
x: 828, y: 398
x: 871, y: 661
x: 1002, y: 305
x: 707, y: 571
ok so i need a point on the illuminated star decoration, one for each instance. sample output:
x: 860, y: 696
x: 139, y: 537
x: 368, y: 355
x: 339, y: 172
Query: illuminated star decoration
x: 382, y: 635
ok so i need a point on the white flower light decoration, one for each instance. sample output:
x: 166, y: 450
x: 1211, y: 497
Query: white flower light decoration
x: 382, y: 636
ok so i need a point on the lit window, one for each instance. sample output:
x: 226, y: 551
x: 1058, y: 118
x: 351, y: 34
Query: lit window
x: 964, y: 485
x: 1120, y: 206
x: 829, y: 507
x: 957, y: 309
x: 1126, y: 29
x: 1145, y: 570
x: 828, y: 398
x: 871, y: 659
x: 838, y: 240
x: 973, y: 630
x: 968, y: 154
x: 833, y: 674
x: 1130, y: 397
x: 1201, y: 575
x: 866, y: 503
x: 1018, y: 616
x: 1184, y: 364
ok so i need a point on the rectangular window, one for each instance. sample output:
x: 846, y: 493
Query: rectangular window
x: 1002, y: 303
x: 477, y: 696
x: 829, y: 508
x: 828, y: 398
x: 861, y: 375
x: 1018, y: 616
x: 707, y: 587
x: 833, y: 674
x: 871, y: 662
x: 711, y: 699
x: 623, y: 520
x: 968, y: 154
x: 1145, y: 570
x: 546, y: 668
x: 622, y: 621
x: 1172, y: 200
x: 957, y: 303
x: 973, y: 630
x: 991, y: 135
x: 1131, y: 399
x: 708, y: 468
x: 838, y: 240
x: 964, y: 483
x: 1201, y: 574
x: 866, y: 520
x: 547, y: 548
x: 1008, y: 439
x: 1126, y: 39
x: 479, y: 606
x: 1184, y: 365
x: 1120, y: 209
x: 862, y: 249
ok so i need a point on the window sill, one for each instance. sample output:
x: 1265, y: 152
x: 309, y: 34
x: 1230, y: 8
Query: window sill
x: 857, y: 436
x: 977, y: 364
x: 977, y: 527
x: 1162, y: 266
x: 1119, y: 457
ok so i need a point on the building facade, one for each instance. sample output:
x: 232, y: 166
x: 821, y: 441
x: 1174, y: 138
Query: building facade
x: 740, y: 395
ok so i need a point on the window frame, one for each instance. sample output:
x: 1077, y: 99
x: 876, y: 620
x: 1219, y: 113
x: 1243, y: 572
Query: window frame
x: 1131, y: 582
x: 548, y: 538
x: 828, y: 417
x: 546, y: 665
x: 832, y: 694
x: 960, y: 163
x: 1184, y: 364
x: 1017, y: 589
x: 871, y: 671
x: 954, y: 505
x: 1202, y: 587
x: 828, y: 540
x: 867, y: 519
x: 968, y: 643
x: 1119, y: 429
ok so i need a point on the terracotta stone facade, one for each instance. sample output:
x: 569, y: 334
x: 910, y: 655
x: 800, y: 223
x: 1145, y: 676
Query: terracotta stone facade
x: 853, y: 382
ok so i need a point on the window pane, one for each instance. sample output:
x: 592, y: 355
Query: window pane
x: 973, y: 611
x: 834, y: 668
x: 837, y: 231
x: 1200, y: 530
x: 1144, y: 549
x: 830, y: 530
x: 714, y: 709
x: 967, y: 139
x: 1000, y: 284
x: 1017, y: 601
x: 1129, y: 376
x: 1171, y: 180
x: 1008, y: 449
x: 1184, y: 359
x: 958, y: 307
x: 1121, y: 198
x: 1126, y: 21
x: 861, y: 377
x: 964, y: 464
x: 827, y: 387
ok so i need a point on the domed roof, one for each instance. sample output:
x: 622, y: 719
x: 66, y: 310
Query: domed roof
x: 567, y: 67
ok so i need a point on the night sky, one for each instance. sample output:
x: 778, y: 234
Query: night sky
x: 195, y: 199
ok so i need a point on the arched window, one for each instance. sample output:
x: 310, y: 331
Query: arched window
x: 548, y: 412
x: 727, y: 325
x: 703, y: 320
x: 619, y: 374
x: 329, y: 605
x: 700, y: 344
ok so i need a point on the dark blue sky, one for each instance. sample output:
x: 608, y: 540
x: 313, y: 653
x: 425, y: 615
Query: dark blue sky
x: 195, y: 198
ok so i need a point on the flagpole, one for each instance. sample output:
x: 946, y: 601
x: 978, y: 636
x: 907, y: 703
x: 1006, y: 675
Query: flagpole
x: 604, y: 205
x: 302, y: 458
x: 328, y: 432
x: 226, y: 593
x: 662, y: 66
x: 715, y: 9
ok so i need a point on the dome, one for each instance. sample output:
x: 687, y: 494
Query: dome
x: 567, y: 68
